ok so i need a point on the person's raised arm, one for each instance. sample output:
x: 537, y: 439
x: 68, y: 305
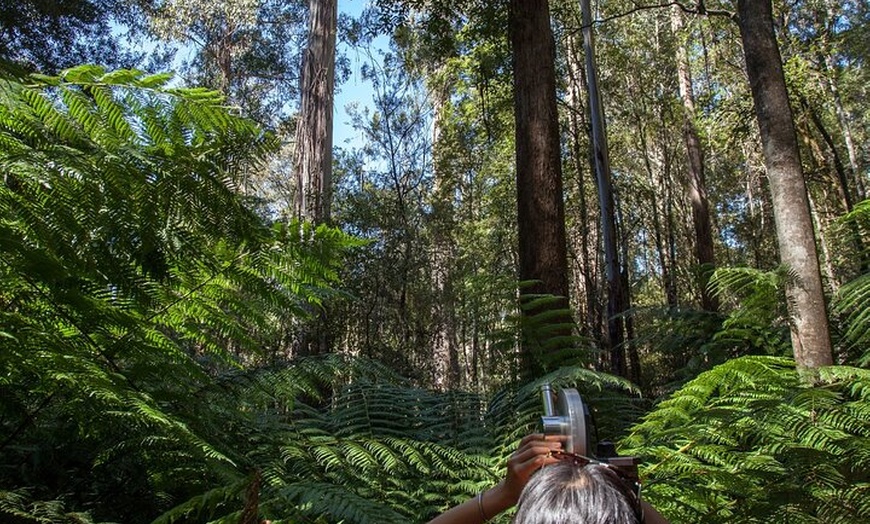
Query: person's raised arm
x: 532, y: 454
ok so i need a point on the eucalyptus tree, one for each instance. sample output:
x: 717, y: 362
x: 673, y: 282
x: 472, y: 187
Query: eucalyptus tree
x: 810, y: 335
x: 580, y: 215
x: 818, y: 68
x: 247, y: 49
x: 49, y: 36
x: 736, y: 182
x: 646, y: 211
x: 617, y: 295
x: 472, y: 262
x: 540, y: 205
x: 697, y: 186
x: 313, y: 140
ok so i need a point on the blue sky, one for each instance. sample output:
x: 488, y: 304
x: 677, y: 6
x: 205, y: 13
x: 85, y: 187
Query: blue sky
x: 355, y: 88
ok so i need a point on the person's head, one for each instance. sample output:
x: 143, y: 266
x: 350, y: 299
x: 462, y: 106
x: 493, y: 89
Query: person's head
x: 566, y: 493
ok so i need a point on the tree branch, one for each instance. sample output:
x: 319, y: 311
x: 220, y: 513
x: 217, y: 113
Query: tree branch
x: 699, y: 9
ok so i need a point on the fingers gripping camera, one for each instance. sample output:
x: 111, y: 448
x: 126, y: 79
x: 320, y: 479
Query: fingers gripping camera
x: 570, y: 417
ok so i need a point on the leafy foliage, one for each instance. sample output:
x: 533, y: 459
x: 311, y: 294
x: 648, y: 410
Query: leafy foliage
x: 853, y: 300
x: 758, y: 318
x: 749, y: 441
x: 16, y: 507
x: 677, y: 346
x: 145, y: 324
x: 248, y: 50
x: 345, y: 439
x: 134, y: 275
x: 49, y: 36
x: 147, y: 311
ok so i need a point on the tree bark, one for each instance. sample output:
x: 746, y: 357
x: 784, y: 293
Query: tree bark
x: 540, y: 207
x: 588, y: 268
x: 697, y: 188
x: 313, y: 158
x: 445, y: 351
x: 314, y: 129
x: 616, y: 296
x: 810, y: 334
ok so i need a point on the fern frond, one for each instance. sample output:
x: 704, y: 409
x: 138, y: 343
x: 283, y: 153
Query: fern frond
x: 752, y: 433
x: 137, y: 286
x: 852, y: 301
x: 205, y: 506
x: 18, y: 507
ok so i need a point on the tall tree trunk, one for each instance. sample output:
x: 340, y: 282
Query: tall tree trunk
x: 633, y: 371
x: 697, y: 190
x: 579, y: 130
x: 313, y: 161
x: 658, y: 186
x: 809, y: 322
x: 669, y: 223
x: 830, y: 68
x: 445, y: 353
x: 540, y: 208
x: 615, y: 293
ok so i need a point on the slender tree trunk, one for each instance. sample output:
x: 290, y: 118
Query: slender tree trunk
x: 658, y: 186
x: 839, y: 169
x: 825, y: 261
x: 634, y: 371
x: 615, y: 294
x: 809, y: 322
x: 854, y: 167
x: 841, y: 177
x: 662, y: 239
x: 579, y: 131
x: 697, y: 190
x: 313, y: 158
x: 313, y: 161
x: 445, y: 353
x: 831, y: 83
x: 540, y: 208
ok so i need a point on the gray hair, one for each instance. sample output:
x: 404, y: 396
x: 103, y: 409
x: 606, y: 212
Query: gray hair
x: 565, y: 493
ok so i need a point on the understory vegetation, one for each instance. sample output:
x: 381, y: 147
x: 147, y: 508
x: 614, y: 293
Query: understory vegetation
x: 146, y: 309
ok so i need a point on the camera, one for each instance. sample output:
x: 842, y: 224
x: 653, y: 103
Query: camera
x: 570, y: 417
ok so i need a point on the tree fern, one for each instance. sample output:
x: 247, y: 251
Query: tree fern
x: 758, y: 319
x: 17, y: 507
x: 852, y: 301
x: 334, y: 428
x: 136, y: 278
x: 147, y: 311
x: 750, y: 442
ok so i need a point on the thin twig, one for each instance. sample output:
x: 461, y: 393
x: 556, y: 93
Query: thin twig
x: 698, y: 9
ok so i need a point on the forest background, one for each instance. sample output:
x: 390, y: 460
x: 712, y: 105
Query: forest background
x: 213, y: 313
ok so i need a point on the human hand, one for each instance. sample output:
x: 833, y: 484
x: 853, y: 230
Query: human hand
x: 533, y: 453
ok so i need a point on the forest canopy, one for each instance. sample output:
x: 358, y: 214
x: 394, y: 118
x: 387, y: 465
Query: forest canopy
x: 213, y: 311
